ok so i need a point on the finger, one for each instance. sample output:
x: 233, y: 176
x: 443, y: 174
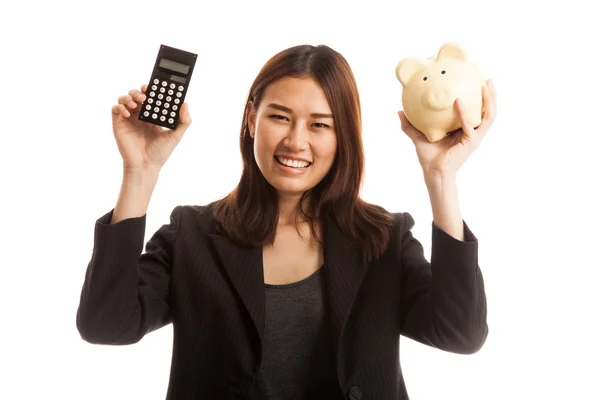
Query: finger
x: 120, y: 110
x: 408, y: 128
x: 489, y: 97
x: 489, y: 110
x: 144, y: 87
x: 136, y: 95
x: 490, y: 85
x: 185, y: 117
x: 185, y: 120
x: 405, y: 123
x: 127, y: 100
x: 464, y: 122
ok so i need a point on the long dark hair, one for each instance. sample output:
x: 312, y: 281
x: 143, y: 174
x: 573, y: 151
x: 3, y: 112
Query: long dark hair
x: 249, y: 214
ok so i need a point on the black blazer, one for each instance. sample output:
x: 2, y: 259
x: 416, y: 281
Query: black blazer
x: 194, y: 276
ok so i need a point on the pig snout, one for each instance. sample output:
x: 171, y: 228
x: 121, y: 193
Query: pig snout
x: 439, y: 97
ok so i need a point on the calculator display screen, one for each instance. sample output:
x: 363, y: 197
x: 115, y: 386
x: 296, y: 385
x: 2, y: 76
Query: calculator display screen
x: 174, y: 66
x: 178, y: 79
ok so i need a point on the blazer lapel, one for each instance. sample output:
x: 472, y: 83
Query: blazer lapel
x: 343, y: 275
x: 244, y: 266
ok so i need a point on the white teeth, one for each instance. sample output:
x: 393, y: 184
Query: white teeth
x: 293, y: 163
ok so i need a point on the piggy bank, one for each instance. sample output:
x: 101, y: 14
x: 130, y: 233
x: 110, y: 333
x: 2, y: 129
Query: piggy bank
x: 430, y: 87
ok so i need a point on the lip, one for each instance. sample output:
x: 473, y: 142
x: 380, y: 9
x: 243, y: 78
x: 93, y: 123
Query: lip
x: 292, y: 158
x: 290, y: 170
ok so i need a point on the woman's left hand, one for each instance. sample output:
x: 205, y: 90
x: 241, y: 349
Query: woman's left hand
x: 446, y: 156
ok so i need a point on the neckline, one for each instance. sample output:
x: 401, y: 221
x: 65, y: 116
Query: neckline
x: 294, y: 284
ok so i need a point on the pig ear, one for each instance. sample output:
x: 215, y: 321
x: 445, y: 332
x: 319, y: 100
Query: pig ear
x: 407, y: 68
x: 452, y: 50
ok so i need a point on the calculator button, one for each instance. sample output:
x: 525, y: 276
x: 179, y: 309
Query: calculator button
x: 152, y: 94
x: 168, y: 98
x: 154, y: 116
x: 162, y: 89
x: 173, y: 113
x: 178, y: 94
x: 164, y: 112
x: 164, y: 83
x: 156, y: 109
x: 154, y: 87
x: 175, y: 107
x: 150, y: 101
x: 146, y: 113
x: 171, y: 120
x: 172, y: 86
x: 170, y: 92
x: 167, y: 105
x: 180, y: 88
x: 160, y: 96
x: 162, y: 118
x: 148, y: 107
x: 176, y: 101
x: 158, y: 103
x: 156, y: 81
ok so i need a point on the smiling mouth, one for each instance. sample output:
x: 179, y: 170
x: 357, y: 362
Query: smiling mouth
x: 292, y: 164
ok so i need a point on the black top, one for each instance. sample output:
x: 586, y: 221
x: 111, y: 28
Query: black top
x: 212, y: 291
x: 298, y: 358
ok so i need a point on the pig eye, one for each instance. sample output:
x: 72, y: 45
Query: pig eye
x: 444, y: 71
x: 424, y: 78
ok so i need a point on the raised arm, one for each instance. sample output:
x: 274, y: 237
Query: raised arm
x: 125, y: 294
x: 444, y: 302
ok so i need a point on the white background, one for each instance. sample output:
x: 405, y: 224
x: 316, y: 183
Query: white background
x: 529, y: 192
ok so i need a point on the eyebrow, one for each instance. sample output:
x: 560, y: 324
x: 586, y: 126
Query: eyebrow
x: 289, y: 110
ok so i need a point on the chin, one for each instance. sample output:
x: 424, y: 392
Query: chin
x: 290, y: 189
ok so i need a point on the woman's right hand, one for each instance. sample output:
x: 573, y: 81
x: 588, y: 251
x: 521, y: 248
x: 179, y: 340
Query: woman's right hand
x: 143, y: 145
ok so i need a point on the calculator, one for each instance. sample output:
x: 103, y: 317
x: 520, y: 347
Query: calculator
x: 167, y: 87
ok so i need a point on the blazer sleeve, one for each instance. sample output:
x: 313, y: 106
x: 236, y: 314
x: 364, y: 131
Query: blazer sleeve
x: 125, y: 293
x: 443, y: 302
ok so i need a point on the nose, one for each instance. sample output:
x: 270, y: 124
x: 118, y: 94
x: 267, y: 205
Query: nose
x: 439, y: 97
x: 296, y: 139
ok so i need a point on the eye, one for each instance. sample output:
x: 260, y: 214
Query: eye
x: 425, y: 78
x: 444, y: 71
x: 279, y: 117
x: 321, y: 125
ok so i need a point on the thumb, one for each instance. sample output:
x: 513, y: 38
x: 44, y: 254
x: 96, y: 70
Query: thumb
x: 185, y: 120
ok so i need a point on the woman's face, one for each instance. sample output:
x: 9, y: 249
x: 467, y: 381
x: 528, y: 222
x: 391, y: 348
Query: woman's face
x: 294, y: 135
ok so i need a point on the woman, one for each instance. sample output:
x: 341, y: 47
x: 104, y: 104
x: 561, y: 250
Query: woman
x: 290, y: 287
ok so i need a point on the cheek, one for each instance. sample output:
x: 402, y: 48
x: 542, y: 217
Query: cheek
x: 259, y: 153
x: 327, y: 150
x: 264, y: 145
